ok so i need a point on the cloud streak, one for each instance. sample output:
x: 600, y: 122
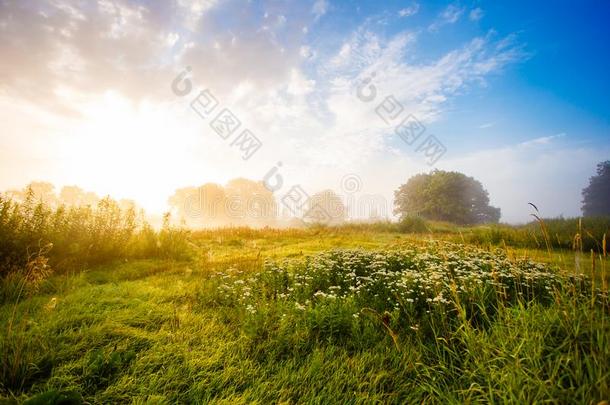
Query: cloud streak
x: 409, y: 11
x: 450, y: 15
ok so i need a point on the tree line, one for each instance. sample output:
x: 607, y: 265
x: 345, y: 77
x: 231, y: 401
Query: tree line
x: 447, y: 196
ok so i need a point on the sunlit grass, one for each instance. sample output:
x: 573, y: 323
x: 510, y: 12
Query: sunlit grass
x: 353, y: 314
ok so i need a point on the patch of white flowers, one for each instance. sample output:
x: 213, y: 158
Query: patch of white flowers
x: 418, y: 278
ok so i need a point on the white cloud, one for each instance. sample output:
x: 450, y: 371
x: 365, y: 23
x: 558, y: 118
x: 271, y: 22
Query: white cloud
x: 450, y: 15
x: 306, y: 52
x: 487, y: 125
x: 299, y: 85
x: 544, y: 140
x: 332, y: 128
x: 192, y: 11
x: 408, y: 11
x: 476, y: 14
x: 319, y: 8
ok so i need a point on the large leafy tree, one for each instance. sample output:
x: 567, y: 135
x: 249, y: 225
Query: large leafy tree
x: 596, y: 196
x: 325, y: 207
x: 203, y: 206
x: 250, y: 203
x: 241, y: 202
x: 38, y: 191
x: 445, y: 196
x: 76, y: 196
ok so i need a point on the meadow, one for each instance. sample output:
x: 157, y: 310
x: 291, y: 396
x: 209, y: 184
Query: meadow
x: 98, y: 307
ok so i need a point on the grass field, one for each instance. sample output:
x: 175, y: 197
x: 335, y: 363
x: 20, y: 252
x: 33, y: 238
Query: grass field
x: 314, y: 316
x: 304, y: 202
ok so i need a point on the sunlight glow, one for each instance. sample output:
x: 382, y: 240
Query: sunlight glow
x: 127, y: 150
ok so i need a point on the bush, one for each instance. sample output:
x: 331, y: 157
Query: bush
x: 412, y: 224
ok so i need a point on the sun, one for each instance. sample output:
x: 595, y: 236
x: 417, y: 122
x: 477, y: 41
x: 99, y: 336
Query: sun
x: 128, y: 150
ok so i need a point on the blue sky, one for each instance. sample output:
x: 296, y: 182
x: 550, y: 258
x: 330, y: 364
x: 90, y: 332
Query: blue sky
x: 559, y: 86
x: 517, y: 92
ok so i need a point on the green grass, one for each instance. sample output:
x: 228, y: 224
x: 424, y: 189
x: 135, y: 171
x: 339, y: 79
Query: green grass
x: 157, y: 331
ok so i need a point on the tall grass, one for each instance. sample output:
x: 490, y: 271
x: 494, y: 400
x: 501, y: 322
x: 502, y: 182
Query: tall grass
x: 583, y: 234
x: 71, y: 238
x: 36, y: 239
x: 561, y: 233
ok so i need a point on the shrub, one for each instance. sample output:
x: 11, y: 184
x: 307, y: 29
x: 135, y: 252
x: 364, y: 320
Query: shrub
x: 412, y: 224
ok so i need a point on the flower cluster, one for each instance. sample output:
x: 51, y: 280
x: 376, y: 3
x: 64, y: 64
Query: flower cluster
x: 438, y: 277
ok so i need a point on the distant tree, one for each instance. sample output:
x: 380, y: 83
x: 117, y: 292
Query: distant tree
x: 43, y: 191
x: 241, y: 202
x: 596, y: 196
x: 38, y: 191
x: 325, y: 207
x: 250, y: 203
x: 126, y: 204
x: 445, y: 196
x: 76, y: 196
x: 71, y: 195
x: 178, y: 202
x: 202, y: 206
x: 16, y: 195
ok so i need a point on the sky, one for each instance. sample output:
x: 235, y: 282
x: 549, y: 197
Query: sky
x: 356, y: 96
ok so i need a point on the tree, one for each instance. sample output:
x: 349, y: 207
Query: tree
x: 39, y: 191
x: 445, y: 196
x: 325, y: 207
x: 202, y: 206
x: 250, y: 203
x: 43, y: 191
x: 242, y: 202
x: 77, y: 197
x: 596, y: 196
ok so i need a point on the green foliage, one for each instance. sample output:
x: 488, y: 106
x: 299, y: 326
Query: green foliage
x: 172, y: 242
x: 36, y: 239
x: 103, y: 367
x: 445, y: 196
x: 77, y: 234
x: 26, y: 359
x: 374, y: 226
x: 435, y: 322
x: 596, y: 196
x: 56, y: 397
x: 80, y: 235
x: 564, y: 233
x: 412, y: 224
